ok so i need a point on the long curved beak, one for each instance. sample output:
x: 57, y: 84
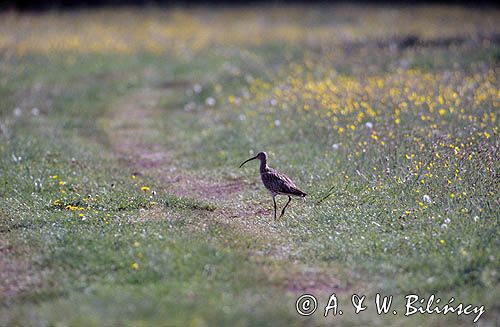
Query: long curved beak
x: 248, y: 161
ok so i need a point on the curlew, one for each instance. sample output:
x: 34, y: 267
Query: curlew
x: 276, y: 183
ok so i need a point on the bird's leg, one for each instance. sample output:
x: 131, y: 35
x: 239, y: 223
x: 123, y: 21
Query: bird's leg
x: 274, y: 200
x: 283, y: 211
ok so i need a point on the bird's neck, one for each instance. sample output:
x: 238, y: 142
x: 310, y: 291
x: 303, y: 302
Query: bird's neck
x: 263, y: 166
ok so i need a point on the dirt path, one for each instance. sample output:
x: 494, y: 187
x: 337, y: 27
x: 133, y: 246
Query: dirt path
x: 132, y: 139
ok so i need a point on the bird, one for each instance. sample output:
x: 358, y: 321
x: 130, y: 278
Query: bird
x: 276, y: 182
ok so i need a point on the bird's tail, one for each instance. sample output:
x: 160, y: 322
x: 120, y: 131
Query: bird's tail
x: 297, y: 192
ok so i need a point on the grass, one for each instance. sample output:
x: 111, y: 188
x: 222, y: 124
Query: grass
x: 396, y: 146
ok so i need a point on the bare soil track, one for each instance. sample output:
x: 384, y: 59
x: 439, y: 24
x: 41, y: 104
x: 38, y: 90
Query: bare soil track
x: 130, y: 135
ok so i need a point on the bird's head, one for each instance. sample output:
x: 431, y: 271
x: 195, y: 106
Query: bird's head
x: 262, y: 156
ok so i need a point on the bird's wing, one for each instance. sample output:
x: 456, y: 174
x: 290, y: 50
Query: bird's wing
x: 280, y: 183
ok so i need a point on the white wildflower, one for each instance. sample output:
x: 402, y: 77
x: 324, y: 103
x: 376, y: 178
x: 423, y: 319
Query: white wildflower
x: 210, y: 102
x: 197, y: 88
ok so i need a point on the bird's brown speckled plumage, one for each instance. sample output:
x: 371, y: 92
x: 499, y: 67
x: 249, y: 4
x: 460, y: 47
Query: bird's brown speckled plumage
x: 275, y: 182
x: 279, y: 183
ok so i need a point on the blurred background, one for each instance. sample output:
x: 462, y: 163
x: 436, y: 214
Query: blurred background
x: 72, y: 4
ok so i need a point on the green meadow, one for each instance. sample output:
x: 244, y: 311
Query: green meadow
x: 121, y: 133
